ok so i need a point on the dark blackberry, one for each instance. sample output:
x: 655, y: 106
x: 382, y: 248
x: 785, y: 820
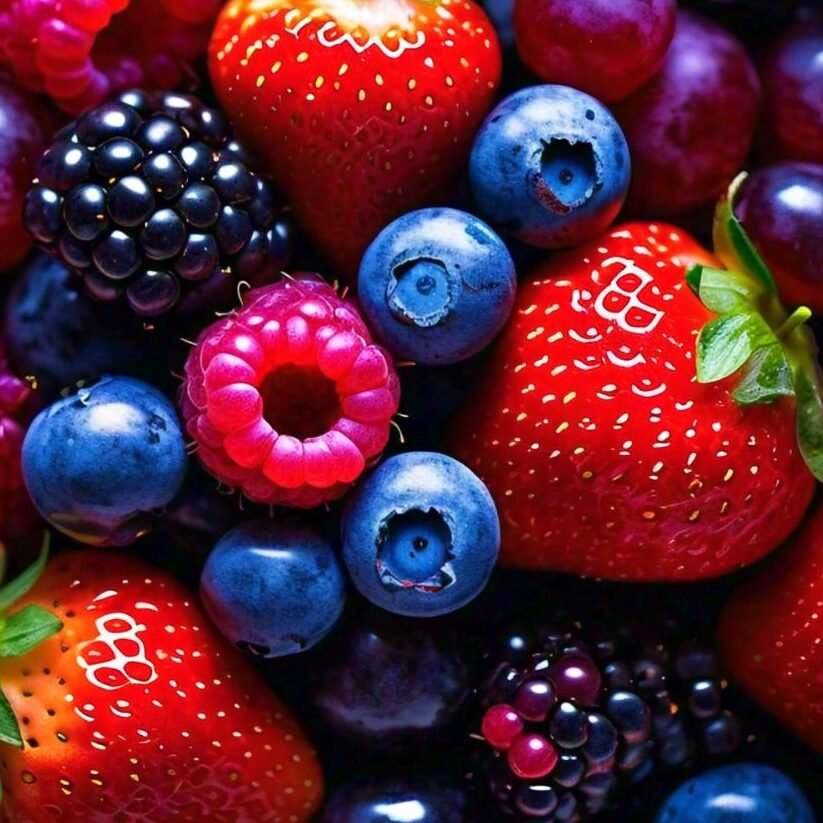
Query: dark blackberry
x: 567, y: 721
x: 148, y: 193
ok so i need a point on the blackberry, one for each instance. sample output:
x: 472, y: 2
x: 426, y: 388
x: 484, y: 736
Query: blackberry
x: 568, y: 720
x: 149, y: 198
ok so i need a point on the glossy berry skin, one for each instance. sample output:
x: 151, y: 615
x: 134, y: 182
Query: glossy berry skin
x: 60, y: 336
x: 288, y: 398
x: 421, y: 535
x: 18, y: 519
x: 391, y: 686
x: 101, y: 463
x: 768, y: 636
x: 604, y: 455
x: 360, y: 110
x: 23, y: 136
x: 781, y: 208
x: 740, y: 793
x: 550, y: 166
x: 138, y: 671
x: 436, y: 286
x: 273, y: 588
x: 390, y: 799
x: 603, y: 48
x: 690, y: 128
x: 81, y: 51
x: 792, y: 74
x: 148, y: 198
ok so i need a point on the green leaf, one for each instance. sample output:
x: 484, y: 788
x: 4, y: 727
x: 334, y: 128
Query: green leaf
x: 26, y: 629
x: 767, y: 378
x: 725, y: 291
x: 20, y: 585
x: 732, y: 244
x: 727, y: 342
x: 809, y: 418
x: 9, y: 730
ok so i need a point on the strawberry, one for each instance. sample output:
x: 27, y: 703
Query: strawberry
x: 769, y: 635
x: 135, y: 709
x: 360, y: 110
x: 611, y: 446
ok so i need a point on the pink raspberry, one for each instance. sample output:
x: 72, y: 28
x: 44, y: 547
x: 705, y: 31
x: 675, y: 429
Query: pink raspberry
x: 81, y: 51
x: 17, y: 514
x: 289, y: 399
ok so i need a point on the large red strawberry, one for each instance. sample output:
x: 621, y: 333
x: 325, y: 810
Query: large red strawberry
x: 136, y: 710
x: 770, y: 632
x: 360, y: 109
x: 604, y: 452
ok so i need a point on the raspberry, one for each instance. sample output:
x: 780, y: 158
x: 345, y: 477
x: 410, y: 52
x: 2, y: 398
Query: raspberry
x: 148, y: 197
x: 288, y: 399
x: 17, y: 515
x: 81, y: 51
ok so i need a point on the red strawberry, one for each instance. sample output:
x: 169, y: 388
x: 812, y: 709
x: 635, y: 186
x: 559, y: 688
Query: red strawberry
x: 605, y: 455
x: 360, y: 109
x: 137, y: 710
x: 769, y: 635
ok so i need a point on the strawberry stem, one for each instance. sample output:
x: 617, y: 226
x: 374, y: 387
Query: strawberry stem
x: 797, y: 318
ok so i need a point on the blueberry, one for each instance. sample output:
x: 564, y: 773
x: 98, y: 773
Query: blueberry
x: 389, y: 686
x: 741, y: 793
x: 273, y: 588
x: 421, y: 535
x: 550, y: 166
x: 100, y: 463
x: 437, y: 285
x: 410, y: 797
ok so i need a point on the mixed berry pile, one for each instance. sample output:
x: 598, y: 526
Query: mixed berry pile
x: 411, y: 412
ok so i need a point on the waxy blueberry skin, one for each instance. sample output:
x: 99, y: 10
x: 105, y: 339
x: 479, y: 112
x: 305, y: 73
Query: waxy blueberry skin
x: 421, y: 535
x: 437, y: 285
x: 550, y: 166
x: 100, y: 463
x: 273, y: 588
x: 740, y: 793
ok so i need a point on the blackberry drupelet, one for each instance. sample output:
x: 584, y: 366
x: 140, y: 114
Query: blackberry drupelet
x: 148, y: 197
x: 569, y: 720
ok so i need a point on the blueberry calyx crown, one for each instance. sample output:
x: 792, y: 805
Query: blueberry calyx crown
x: 21, y: 631
x: 774, y: 350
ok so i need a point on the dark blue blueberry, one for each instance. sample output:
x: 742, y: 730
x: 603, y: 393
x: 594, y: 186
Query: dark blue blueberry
x: 58, y: 335
x: 741, y: 793
x: 199, y: 206
x: 85, y: 211
x: 117, y: 157
x: 165, y: 174
x: 117, y: 256
x: 550, y: 166
x: 64, y: 165
x: 273, y: 588
x: 43, y: 213
x: 130, y: 201
x: 163, y: 236
x: 153, y: 292
x: 200, y: 258
x: 112, y: 119
x: 161, y: 133
x: 99, y: 464
x: 407, y: 799
x: 421, y: 535
x: 386, y: 684
x: 437, y: 285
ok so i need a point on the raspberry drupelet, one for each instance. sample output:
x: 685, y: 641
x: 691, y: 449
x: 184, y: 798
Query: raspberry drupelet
x: 81, y: 51
x: 288, y: 399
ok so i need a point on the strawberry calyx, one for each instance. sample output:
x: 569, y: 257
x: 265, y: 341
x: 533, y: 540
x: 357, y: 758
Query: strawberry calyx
x: 753, y: 334
x: 21, y: 631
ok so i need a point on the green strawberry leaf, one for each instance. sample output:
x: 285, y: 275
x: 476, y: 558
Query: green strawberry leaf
x: 727, y: 342
x: 767, y: 378
x: 724, y: 291
x: 9, y: 730
x: 16, y: 588
x: 809, y: 418
x: 26, y: 629
x: 732, y: 244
